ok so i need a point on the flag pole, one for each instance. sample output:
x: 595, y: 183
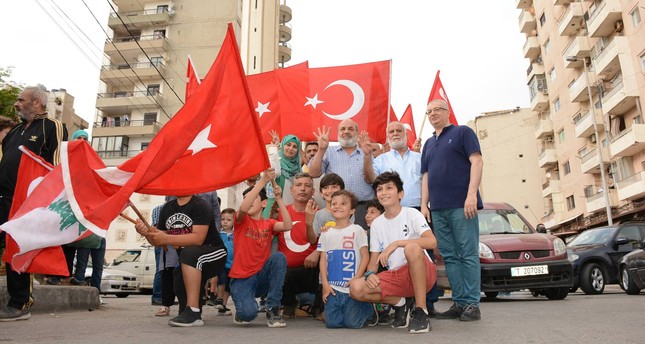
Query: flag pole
x: 389, y: 100
x: 145, y: 222
x: 123, y: 215
x: 422, y: 124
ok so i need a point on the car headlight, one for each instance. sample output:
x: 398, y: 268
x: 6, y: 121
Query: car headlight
x: 559, y: 247
x: 113, y: 278
x: 485, y: 251
x: 573, y: 257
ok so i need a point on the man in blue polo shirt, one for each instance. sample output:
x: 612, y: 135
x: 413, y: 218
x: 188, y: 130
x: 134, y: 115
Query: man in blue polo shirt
x: 451, y: 167
x: 346, y: 160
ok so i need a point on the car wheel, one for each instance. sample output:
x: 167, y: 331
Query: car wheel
x: 627, y: 283
x: 556, y: 293
x: 491, y: 294
x: 122, y: 295
x: 592, y: 279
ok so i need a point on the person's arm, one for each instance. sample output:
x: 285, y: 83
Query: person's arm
x: 55, y: 134
x: 286, y: 223
x: 247, y: 201
x: 195, y: 238
x: 425, y: 197
x: 326, y: 288
x: 368, y: 168
x: 315, y: 165
x: 476, y: 168
x: 310, y: 213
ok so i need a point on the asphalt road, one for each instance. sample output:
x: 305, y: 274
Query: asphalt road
x: 612, y: 317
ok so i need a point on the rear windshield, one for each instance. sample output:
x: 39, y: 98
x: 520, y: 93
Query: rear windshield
x: 593, y: 237
x: 501, y: 221
x: 128, y: 256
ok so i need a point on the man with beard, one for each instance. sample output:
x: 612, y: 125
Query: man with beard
x: 348, y: 161
x: 43, y: 136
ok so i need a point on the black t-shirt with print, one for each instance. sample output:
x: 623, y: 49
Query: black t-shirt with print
x: 178, y: 220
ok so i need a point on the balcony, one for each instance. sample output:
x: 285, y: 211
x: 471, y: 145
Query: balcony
x: 562, y: 2
x: 540, y: 101
x: 578, y: 88
x: 128, y: 47
x: 523, y: 4
x: 551, y: 187
x: 123, y: 102
x: 629, y: 142
x: 547, y: 158
x: 139, y: 19
x: 571, y: 21
x: 543, y: 128
x: 602, y: 21
x: 284, y: 52
x: 531, y: 48
x: 285, y: 13
x: 607, y: 62
x: 584, y: 125
x: 597, y: 201
x: 579, y: 47
x: 126, y: 128
x: 621, y: 97
x: 527, y: 22
x: 534, y: 68
x: 589, y: 162
x: 127, y: 74
x: 631, y: 187
x: 285, y: 32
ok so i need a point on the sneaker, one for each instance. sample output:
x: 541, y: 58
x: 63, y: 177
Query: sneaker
x: 187, y: 318
x: 219, y: 303
x: 263, y: 305
x: 224, y: 311
x: 53, y: 280
x: 471, y: 313
x: 401, y: 318
x: 239, y: 321
x: 74, y: 281
x: 274, y: 319
x: 373, y: 319
x: 163, y: 312
x: 419, y: 321
x: 211, y: 301
x: 289, y: 312
x: 384, y: 317
x: 12, y: 314
x: 453, y: 313
x: 432, y: 313
x: 101, y: 301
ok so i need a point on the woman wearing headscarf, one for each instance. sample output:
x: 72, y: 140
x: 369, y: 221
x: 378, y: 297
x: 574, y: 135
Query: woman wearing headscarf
x: 289, y: 152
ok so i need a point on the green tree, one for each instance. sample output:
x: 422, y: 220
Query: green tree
x: 9, y: 91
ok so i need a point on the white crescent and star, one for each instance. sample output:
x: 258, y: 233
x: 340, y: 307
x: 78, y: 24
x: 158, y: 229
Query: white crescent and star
x: 262, y: 108
x: 358, y: 97
x: 407, y: 126
x: 201, y: 141
x: 294, y: 247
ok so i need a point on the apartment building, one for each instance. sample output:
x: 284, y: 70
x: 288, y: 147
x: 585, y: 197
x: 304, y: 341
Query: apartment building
x: 60, y: 106
x: 145, y: 73
x: 586, y: 82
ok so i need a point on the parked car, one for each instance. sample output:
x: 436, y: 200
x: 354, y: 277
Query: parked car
x: 117, y: 282
x: 139, y: 261
x: 632, y: 271
x: 596, y: 254
x: 513, y: 256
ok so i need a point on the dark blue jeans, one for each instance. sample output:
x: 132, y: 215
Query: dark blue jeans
x: 268, y: 281
x: 98, y: 260
x: 343, y: 311
x: 156, y: 284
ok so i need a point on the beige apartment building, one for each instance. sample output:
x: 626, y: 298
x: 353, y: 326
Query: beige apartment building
x: 587, y: 85
x: 60, y: 106
x: 145, y: 73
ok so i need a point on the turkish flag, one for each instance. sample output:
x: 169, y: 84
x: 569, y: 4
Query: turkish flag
x: 278, y: 96
x: 438, y: 92
x: 192, y: 79
x: 212, y: 142
x: 357, y: 92
x: 408, y: 122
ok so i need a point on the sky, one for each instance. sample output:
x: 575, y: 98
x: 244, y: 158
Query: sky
x: 476, y: 45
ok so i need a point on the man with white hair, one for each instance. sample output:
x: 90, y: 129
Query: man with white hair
x: 43, y: 136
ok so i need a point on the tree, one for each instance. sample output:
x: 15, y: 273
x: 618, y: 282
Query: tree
x: 9, y: 91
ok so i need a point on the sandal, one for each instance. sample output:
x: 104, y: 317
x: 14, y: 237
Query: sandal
x: 163, y: 312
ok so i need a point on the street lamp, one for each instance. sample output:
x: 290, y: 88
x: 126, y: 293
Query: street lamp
x: 592, y: 109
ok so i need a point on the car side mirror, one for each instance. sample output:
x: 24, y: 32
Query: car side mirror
x: 620, y: 241
x: 540, y: 228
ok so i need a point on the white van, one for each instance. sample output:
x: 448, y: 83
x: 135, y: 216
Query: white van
x: 141, y: 262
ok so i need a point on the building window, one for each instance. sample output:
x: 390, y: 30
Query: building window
x: 636, y: 17
x: 556, y: 105
x: 111, y: 146
x: 542, y: 19
x: 144, y: 145
x: 552, y: 74
x: 566, y: 167
x: 571, y: 203
x: 638, y: 120
x: 149, y: 118
x: 158, y: 34
x: 589, y: 190
x: 162, y: 8
x: 582, y: 152
x: 156, y: 61
x: 153, y: 90
x: 547, y: 46
x: 561, y: 135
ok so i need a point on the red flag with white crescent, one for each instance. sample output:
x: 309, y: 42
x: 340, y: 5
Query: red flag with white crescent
x: 192, y: 79
x: 408, y: 122
x: 438, y: 92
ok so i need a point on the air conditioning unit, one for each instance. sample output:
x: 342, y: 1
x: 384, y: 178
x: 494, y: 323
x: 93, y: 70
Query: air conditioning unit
x: 619, y: 26
x: 548, y: 139
x: 592, y: 138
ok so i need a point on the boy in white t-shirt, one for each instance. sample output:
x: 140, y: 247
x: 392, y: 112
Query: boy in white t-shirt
x: 398, y: 240
x: 343, y: 259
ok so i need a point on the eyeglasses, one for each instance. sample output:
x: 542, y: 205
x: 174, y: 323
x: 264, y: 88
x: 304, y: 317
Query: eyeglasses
x: 435, y: 110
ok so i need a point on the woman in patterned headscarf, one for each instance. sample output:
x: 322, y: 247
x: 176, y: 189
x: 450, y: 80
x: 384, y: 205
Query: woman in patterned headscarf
x: 289, y: 152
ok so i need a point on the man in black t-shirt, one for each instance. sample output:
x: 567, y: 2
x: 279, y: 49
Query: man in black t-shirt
x: 188, y: 224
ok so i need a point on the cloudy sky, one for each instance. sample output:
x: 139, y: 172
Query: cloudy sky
x: 476, y: 45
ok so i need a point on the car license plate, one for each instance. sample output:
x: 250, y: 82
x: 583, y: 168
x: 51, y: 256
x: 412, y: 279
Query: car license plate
x: 530, y: 270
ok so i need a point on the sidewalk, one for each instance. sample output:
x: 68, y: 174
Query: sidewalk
x: 54, y: 298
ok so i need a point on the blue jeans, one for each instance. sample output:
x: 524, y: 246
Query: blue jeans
x: 98, y: 260
x: 156, y: 284
x: 268, y: 281
x: 343, y: 311
x: 435, y: 293
x: 458, y: 241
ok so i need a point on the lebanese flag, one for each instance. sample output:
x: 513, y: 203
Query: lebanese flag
x: 212, y: 142
x: 438, y: 92
x: 278, y: 96
x: 357, y: 92
x: 192, y: 79
x: 43, y: 222
x: 408, y: 122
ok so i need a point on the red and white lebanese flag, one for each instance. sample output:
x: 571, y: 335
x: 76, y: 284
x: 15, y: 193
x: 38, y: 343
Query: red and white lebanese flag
x: 438, y: 92
x: 408, y: 122
x: 212, y: 142
x: 43, y: 222
x: 357, y: 92
x: 192, y: 79
x: 278, y: 96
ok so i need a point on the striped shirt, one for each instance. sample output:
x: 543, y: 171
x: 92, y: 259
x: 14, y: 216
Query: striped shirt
x: 350, y: 168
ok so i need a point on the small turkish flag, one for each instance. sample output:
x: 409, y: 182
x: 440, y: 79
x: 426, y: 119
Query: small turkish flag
x: 192, y: 79
x: 438, y: 92
x: 408, y: 122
